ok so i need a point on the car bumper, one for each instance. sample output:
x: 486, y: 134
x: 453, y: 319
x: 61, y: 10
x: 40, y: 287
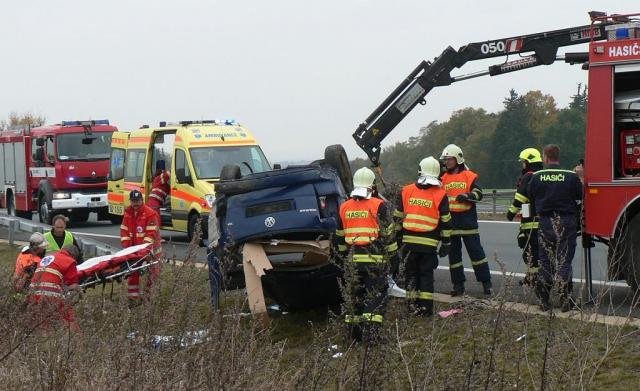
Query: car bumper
x: 79, y: 200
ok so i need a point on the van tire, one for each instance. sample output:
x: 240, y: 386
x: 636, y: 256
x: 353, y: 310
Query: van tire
x: 336, y: 157
x: 230, y: 172
x: 45, y: 213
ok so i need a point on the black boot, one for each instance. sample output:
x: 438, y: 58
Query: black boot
x: 458, y: 289
x: 486, y: 287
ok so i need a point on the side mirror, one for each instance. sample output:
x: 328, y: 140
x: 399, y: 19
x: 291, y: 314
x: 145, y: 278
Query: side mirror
x: 181, y: 177
x: 40, y: 141
x: 277, y: 166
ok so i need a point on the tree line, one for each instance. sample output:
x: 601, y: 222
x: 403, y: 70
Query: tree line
x: 492, y: 141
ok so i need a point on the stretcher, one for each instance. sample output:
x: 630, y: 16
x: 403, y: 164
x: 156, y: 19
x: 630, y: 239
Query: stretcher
x: 99, y: 270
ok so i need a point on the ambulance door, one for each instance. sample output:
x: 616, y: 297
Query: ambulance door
x: 115, y: 186
x: 181, y: 189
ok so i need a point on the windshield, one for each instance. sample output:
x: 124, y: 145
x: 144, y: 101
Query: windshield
x: 70, y: 146
x: 208, y: 161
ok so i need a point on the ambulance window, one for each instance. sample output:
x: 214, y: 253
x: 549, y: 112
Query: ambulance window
x: 134, y: 168
x: 183, y: 174
x: 116, y: 170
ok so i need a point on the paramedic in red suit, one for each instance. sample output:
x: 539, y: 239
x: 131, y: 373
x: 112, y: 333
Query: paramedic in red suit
x: 54, y: 277
x: 159, y: 187
x: 140, y: 225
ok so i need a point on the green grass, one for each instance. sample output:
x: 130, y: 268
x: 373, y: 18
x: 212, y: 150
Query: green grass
x: 478, y: 349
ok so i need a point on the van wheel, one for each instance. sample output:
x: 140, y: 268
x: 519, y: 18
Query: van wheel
x: 630, y: 242
x: 44, y: 213
x: 336, y: 157
x: 230, y: 172
x: 194, y: 229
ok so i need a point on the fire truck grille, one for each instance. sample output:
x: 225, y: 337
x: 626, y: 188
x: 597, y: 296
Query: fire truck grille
x: 88, y: 180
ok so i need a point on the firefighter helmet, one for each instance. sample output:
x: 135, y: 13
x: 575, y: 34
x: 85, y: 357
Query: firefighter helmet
x: 531, y: 155
x: 453, y: 150
x: 363, y: 180
x: 429, y: 171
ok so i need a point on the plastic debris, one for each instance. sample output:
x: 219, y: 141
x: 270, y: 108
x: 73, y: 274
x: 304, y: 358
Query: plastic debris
x: 520, y: 338
x: 448, y: 313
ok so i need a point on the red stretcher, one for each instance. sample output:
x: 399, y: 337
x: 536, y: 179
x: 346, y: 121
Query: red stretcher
x: 99, y: 270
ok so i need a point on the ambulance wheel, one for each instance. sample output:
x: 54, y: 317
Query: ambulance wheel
x: 44, y: 212
x: 192, y: 228
x: 230, y: 172
x: 336, y: 157
x: 631, y: 247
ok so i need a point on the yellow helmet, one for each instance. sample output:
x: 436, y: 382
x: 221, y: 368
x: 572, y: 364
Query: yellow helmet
x: 453, y: 150
x: 531, y: 155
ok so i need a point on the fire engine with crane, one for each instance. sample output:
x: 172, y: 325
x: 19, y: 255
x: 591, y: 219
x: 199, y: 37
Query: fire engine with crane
x: 56, y: 169
x: 611, y: 207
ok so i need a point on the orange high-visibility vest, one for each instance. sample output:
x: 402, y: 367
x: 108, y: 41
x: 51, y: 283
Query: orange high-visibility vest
x: 360, y: 221
x: 456, y: 184
x: 421, y: 207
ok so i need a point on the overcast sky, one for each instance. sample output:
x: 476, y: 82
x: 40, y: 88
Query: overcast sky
x: 300, y: 74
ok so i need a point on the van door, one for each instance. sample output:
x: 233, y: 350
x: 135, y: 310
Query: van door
x: 181, y: 188
x: 115, y: 185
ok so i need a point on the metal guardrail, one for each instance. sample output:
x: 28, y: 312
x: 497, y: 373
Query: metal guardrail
x: 90, y: 248
x: 490, y: 201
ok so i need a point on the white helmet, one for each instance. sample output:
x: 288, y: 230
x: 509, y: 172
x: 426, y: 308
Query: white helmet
x: 429, y: 171
x: 453, y: 150
x: 363, y: 180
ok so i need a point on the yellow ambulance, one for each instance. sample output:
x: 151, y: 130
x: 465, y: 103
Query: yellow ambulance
x: 194, y: 153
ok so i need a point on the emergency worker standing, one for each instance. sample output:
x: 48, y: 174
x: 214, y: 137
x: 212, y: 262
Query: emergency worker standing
x: 140, y: 224
x: 531, y: 160
x: 365, y: 234
x: 55, y: 276
x: 159, y: 187
x: 58, y: 236
x: 424, y: 218
x: 557, y: 195
x: 28, y: 261
x: 461, y: 185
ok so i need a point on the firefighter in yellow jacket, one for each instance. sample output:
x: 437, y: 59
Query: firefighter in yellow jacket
x: 423, y: 216
x: 461, y: 185
x: 365, y: 236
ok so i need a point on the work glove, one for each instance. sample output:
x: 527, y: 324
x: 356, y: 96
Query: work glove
x: 444, y: 249
x: 522, y: 239
x: 511, y: 216
x: 463, y: 197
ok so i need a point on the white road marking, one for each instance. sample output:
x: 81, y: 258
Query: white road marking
x: 521, y: 275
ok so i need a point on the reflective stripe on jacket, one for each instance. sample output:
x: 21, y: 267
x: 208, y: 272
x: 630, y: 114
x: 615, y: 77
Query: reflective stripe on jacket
x: 53, y: 273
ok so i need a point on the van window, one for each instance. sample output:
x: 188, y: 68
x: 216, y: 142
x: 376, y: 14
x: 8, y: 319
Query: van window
x: 134, y: 169
x: 116, y: 169
x: 208, y: 161
x: 163, y: 149
x: 182, y: 167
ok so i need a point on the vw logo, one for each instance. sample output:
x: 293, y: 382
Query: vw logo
x: 270, y: 222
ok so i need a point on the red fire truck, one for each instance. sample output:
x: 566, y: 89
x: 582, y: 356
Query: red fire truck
x: 612, y: 156
x: 56, y: 169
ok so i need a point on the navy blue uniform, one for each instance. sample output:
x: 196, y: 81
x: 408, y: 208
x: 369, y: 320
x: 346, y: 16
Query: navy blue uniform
x: 557, y: 195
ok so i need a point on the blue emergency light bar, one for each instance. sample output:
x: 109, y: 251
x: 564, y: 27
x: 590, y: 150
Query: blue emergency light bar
x: 208, y: 121
x: 83, y: 123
